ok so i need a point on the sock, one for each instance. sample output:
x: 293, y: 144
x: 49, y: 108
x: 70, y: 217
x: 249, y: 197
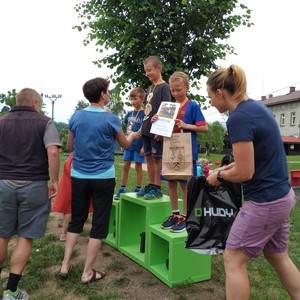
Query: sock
x: 184, y: 215
x: 0, y: 270
x: 13, y: 281
x: 123, y: 187
x: 175, y: 212
x: 138, y: 187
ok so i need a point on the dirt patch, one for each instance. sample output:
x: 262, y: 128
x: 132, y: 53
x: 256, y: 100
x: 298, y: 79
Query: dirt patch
x: 126, y: 279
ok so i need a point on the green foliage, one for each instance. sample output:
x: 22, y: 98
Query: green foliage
x: 116, y: 105
x: 214, y: 138
x: 188, y: 35
x: 9, y: 100
x: 81, y: 104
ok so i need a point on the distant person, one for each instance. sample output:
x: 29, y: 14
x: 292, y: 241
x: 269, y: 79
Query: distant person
x: 203, y: 167
x: 262, y: 224
x: 158, y: 92
x: 92, y: 135
x: 133, y: 121
x: 189, y: 119
x: 28, y: 148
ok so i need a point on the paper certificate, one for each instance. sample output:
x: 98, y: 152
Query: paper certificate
x: 167, y: 114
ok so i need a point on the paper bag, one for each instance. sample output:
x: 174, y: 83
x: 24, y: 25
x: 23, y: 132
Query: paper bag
x: 177, y: 159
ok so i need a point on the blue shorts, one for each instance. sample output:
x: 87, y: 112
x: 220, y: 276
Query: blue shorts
x: 133, y: 155
x: 25, y: 210
x: 262, y: 227
x: 152, y: 147
x: 181, y: 180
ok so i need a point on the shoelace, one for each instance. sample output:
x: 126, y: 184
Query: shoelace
x: 180, y: 220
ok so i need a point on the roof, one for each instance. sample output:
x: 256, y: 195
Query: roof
x: 291, y: 97
x: 290, y: 140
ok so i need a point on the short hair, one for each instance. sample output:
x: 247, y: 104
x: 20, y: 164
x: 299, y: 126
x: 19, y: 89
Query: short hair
x: 154, y: 60
x: 93, y: 88
x: 232, y: 79
x: 137, y: 92
x: 26, y: 96
x: 180, y: 76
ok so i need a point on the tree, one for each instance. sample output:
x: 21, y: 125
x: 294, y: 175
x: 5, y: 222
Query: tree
x: 9, y: 100
x: 81, y: 104
x: 213, y: 140
x: 189, y: 35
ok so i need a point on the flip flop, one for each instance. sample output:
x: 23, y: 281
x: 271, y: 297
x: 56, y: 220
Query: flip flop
x: 94, y: 276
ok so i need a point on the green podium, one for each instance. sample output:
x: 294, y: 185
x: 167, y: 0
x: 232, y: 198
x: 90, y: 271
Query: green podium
x: 171, y: 262
x: 111, y: 238
x: 135, y: 216
x: 134, y: 230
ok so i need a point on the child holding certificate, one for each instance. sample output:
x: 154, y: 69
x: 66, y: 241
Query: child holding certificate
x: 158, y: 92
x: 189, y: 119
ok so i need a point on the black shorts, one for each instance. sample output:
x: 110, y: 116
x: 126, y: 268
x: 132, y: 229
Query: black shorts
x: 100, y: 192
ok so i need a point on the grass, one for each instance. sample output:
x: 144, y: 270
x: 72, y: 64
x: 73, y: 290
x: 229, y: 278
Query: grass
x: 47, y: 254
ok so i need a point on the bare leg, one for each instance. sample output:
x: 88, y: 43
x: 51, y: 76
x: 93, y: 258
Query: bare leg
x: 184, y: 192
x: 71, y: 241
x: 93, y: 248
x: 173, y: 194
x: 20, y: 256
x: 237, y: 281
x: 139, y: 173
x: 125, y: 172
x: 157, y: 170
x: 150, y: 169
x: 66, y: 221
x: 287, y: 272
x: 3, y: 250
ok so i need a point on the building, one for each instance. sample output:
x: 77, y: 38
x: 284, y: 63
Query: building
x: 286, y: 111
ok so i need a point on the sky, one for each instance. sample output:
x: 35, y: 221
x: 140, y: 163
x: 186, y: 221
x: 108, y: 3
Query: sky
x: 40, y: 50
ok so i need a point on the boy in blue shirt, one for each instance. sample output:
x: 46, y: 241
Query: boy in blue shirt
x: 133, y: 121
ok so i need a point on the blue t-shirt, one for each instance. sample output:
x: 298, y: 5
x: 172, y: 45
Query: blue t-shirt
x: 190, y: 113
x: 94, y: 132
x: 133, y: 121
x: 253, y: 121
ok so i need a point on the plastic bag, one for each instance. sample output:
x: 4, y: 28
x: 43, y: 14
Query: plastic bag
x: 211, y: 212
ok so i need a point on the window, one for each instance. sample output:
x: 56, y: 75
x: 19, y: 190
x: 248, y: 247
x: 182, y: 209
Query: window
x: 293, y: 119
x: 281, y: 119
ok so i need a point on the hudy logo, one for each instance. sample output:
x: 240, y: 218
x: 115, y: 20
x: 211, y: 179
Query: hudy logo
x: 214, y: 212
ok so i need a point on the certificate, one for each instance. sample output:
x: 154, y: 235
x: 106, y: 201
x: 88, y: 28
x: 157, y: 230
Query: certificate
x: 167, y: 114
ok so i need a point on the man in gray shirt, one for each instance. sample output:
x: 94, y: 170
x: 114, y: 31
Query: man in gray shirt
x: 29, y: 145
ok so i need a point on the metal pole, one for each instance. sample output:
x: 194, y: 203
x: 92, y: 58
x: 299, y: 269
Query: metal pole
x: 53, y: 98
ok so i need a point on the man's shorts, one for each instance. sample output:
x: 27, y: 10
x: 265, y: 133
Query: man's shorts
x: 25, y: 210
x: 262, y: 227
x: 133, y: 155
x: 152, y: 147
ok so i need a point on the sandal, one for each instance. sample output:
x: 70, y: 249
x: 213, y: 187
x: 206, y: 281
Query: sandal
x: 94, y: 277
x: 63, y: 275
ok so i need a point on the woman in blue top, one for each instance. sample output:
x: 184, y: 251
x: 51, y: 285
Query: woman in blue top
x: 92, y: 135
x: 262, y: 225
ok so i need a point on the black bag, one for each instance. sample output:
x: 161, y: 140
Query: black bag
x: 210, y: 214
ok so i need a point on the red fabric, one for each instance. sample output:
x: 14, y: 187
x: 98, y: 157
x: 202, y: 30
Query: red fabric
x: 62, y: 202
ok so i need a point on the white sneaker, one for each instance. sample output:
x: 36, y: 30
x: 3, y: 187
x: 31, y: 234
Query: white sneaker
x: 18, y: 294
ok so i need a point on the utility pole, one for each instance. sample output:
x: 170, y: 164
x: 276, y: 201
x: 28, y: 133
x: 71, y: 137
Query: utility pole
x: 53, y: 98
